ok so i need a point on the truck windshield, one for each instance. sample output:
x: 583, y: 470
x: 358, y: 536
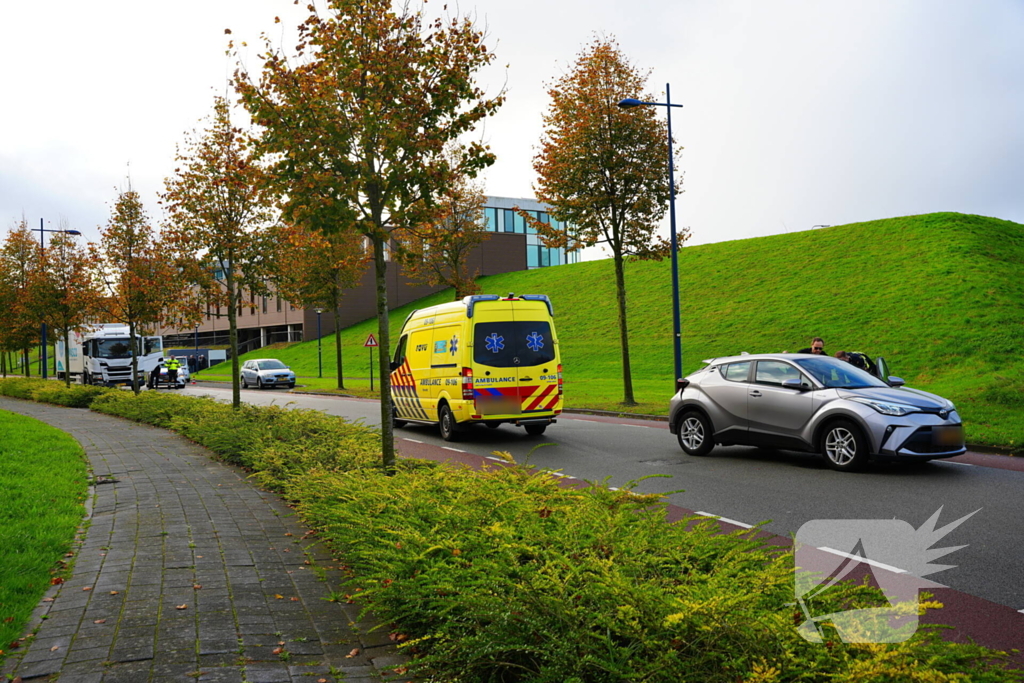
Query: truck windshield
x: 154, y: 345
x: 112, y: 348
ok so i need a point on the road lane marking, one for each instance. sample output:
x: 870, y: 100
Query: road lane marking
x: 413, y: 440
x: 448, y: 448
x: 860, y: 558
x: 962, y: 464
x: 725, y: 519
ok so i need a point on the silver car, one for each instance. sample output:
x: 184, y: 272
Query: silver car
x: 266, y: 372
x: 812, y: 403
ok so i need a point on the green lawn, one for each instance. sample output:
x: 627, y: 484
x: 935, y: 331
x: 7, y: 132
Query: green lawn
x: 939, y: 295
x: 44, y: 482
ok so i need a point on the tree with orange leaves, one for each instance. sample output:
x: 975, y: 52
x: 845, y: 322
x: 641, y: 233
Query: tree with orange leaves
x: 142, y: 288
x: 64, y: 289
x: 437, y: 250
x: 315, y: 269
x: 19, y: 264
x: 218, y: 220
x: 359, y: 119
x: 603, y: 171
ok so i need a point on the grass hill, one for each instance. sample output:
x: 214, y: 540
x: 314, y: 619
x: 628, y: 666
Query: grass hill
x: 940, y: 296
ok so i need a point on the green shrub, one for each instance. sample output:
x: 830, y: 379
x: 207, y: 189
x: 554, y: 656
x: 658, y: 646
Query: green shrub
x: 75, y: 396
x: 504, y: 576
x: 19, y: 387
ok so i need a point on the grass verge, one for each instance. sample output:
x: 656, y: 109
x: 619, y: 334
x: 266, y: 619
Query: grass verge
x: 43, y: 477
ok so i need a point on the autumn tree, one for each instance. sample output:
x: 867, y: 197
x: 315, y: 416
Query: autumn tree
x: 141, y: 287
x: 359, y: 118
x: 316, y: 268
x: 218, y: 217
x: 19, y: 265
x: 65, y: 290
x: 603, y: 171
x: 437, y: 251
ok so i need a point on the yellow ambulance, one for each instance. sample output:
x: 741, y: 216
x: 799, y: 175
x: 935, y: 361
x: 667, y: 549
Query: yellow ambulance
x: 486, y: 359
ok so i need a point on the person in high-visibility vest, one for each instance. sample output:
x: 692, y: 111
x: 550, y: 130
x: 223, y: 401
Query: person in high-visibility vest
x: 172, y: 366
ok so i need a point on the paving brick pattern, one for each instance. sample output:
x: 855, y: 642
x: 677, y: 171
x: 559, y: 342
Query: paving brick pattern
x: 188, y: 572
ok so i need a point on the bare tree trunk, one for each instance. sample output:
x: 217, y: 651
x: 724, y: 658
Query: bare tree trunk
x: 236, y: 389
x: 387, y: 435
x: 337, y: 344
x: 620, y: 298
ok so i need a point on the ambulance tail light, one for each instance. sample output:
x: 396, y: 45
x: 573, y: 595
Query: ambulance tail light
x: 559, y: 379
x: 467, y: 384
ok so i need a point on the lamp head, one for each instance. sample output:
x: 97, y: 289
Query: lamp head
x: 629, y: 103
x: 72, y: 232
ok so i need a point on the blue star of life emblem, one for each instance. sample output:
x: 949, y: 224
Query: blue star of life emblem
x: 453, y: 345
x: 535, y: 342
x: 495, y: 343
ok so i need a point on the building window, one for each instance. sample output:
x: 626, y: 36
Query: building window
x: 264, y: 305
x: 278, y: 298
x: 491, y: 219
x: 533, y: 256
x: 509, y: 222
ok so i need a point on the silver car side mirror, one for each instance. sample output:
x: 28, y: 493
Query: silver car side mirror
x: 795, y: 384
x: 896, y: 381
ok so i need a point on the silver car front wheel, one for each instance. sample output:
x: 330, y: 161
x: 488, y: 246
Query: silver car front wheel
x: 843, y: 446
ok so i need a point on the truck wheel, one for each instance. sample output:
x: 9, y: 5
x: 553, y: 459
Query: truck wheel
x: 86, y: 378
x: 535, y: 430
x: 446, y: 422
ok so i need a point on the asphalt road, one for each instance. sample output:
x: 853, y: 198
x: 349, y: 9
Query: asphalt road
x: 746, y: 485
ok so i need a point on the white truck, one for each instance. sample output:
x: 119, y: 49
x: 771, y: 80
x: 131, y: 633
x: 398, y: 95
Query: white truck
x: 103, y: 356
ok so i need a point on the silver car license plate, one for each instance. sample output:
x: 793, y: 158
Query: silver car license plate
x: 952, y: 435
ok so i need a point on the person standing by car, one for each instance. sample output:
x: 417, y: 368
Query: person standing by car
x: 154, y: 376
x: 817, y: 347
x: 172, y: 366
x: 858, y: 360
x: 192, y: 366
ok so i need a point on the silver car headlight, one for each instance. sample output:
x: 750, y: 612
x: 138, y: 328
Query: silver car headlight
x: 888, y: 407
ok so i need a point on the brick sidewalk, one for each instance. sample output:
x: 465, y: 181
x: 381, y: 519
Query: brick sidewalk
x: 188, y: 572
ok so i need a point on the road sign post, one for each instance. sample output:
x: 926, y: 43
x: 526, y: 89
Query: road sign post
x: 370, y: 343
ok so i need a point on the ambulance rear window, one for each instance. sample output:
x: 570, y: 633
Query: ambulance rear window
x: 513, y: 344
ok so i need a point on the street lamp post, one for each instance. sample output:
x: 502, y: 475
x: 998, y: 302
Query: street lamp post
x: 319, y: 346
x: 677, y: 345
x: 42, y: 248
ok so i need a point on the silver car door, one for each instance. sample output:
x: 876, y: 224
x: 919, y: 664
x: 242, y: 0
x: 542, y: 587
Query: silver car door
x: 725, y: 391
x: 774, y: 409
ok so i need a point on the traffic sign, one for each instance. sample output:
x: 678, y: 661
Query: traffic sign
x: 371, y: 341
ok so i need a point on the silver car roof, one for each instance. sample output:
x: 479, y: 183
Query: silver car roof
x: 762, y: 356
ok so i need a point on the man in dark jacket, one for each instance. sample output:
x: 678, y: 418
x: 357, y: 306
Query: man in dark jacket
x: 817, y: 347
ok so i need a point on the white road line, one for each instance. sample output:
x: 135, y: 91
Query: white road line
x: 447, y: 448
x: 962, y: 464
x: 413, y: 440
x: 726, y: 520
x: 491, y: 457
x: 865, y: 560
x: 1021, y: 611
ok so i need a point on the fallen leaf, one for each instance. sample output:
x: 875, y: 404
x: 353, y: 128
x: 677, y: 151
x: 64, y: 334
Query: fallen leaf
x: 352, y: 654
x: 87, y: 588
x: 278, y: 596
x: 197, y: 586
x: 321, y: 680
x: 56, y: 580
x: 113, y: 592
x: 54, y: 648
x: 289, y: 534
x: 47, y: 599
x: 277, y: 650
x: 100, y: 621
x: 295, y: 599
x: 181, y: 607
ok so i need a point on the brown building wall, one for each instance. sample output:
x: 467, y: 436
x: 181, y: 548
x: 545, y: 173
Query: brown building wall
x: 500, y: 253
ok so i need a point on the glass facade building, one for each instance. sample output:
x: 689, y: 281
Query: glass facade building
x: 500, y: 216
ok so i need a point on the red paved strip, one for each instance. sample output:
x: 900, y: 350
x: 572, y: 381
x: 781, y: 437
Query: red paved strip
x: 972, y: 618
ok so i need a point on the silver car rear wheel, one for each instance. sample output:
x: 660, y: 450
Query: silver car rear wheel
x: 843, y: 446
x: 694, y: 434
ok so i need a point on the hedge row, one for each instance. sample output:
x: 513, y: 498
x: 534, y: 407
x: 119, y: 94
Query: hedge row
x: 505, y: 575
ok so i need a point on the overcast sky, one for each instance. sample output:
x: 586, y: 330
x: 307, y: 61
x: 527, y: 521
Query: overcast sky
x: 796, y: 113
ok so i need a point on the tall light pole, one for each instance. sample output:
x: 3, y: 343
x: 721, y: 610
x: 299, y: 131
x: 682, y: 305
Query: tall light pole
x: 319, y: 346
x: 42, y: 248
x: 677, y: 345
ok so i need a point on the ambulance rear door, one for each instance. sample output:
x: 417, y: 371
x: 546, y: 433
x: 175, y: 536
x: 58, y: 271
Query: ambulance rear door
x: 536, y: 358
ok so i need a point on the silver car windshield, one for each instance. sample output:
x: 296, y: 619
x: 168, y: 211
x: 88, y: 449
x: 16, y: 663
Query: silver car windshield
x: 838, y: 374
x: 272, y: 365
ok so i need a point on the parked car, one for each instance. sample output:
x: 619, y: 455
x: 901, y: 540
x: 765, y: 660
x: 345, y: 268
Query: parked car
x: 812, y: 403
x: 266, y: 372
